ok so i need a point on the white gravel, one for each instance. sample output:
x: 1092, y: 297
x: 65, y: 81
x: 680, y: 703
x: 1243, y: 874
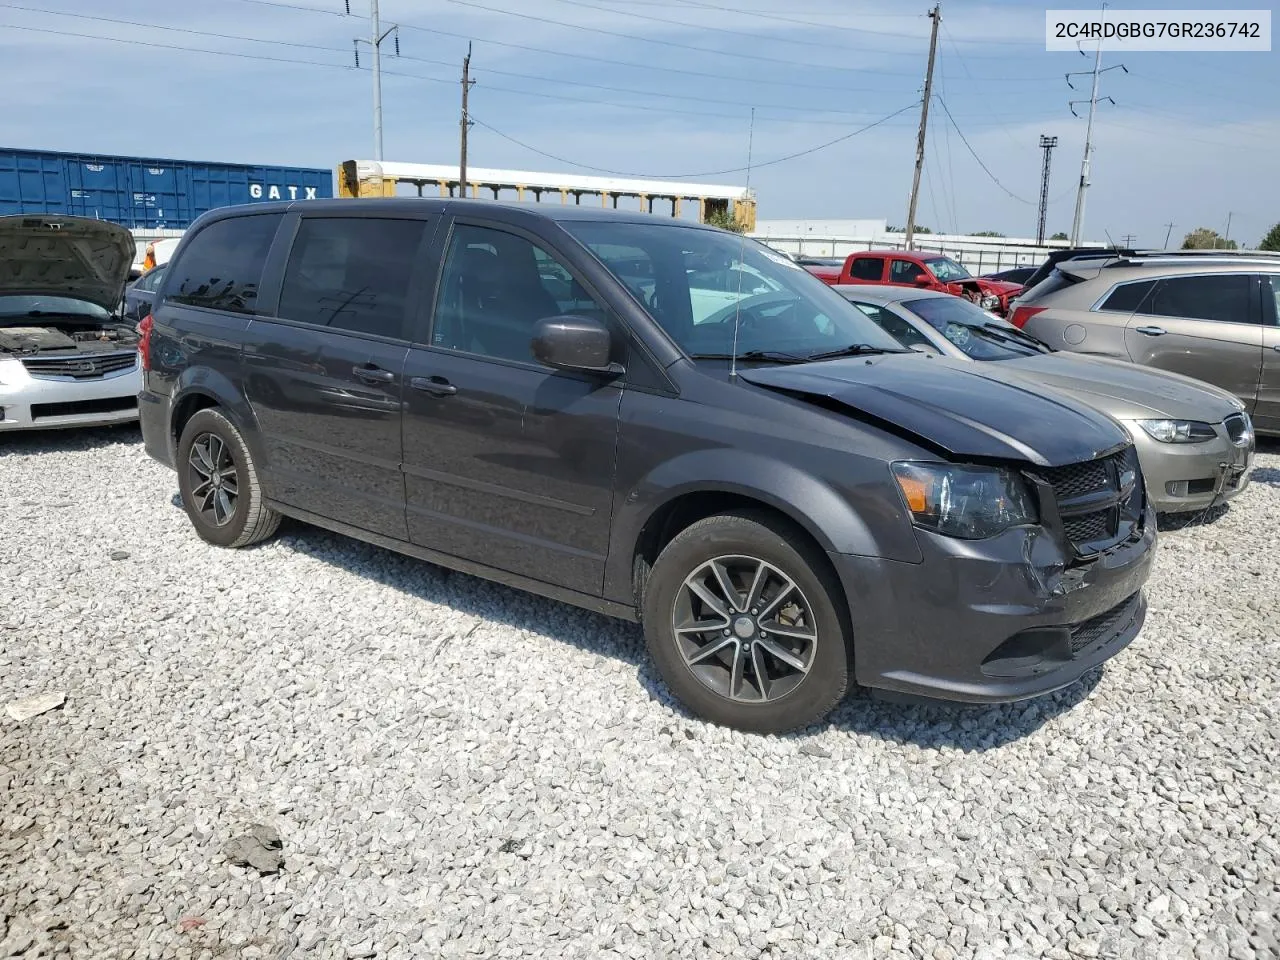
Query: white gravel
x: 457, y: 769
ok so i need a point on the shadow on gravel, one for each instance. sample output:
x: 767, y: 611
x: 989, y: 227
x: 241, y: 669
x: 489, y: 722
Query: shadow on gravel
x: 67, y: 441
x: 1172, y: 522
x: 1267, y: 475
x: 934, y: 726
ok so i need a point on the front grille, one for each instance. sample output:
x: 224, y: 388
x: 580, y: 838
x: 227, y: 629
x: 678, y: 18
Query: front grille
x: 1088, y: 528
x: 1104, y: 625
x: 1237, y: 428
x: 72, y: 408
x: 80, y: 367
x: 1095, y: 511
x: 1078, y: 479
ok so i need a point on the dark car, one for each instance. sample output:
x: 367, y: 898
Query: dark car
x: 140, y: 294
x: 1062, y: 254
x: 784, y: 497
x: 1018, y: 275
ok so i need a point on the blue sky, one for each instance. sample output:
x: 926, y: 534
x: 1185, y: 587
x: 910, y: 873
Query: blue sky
x: 612, y: 85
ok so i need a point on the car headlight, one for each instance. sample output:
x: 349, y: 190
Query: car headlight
x: 971, y: 503
x: 1178, y: 431
x: 989, y: 301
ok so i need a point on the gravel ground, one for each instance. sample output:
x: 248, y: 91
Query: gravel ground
x: 457, y: 769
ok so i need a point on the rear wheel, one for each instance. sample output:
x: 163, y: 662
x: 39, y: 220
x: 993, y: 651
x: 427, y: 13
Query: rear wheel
x: 742, y: 617
x: 219, y: 483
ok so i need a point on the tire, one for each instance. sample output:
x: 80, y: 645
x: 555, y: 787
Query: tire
x: 698, y: 664
x: 249, y: 520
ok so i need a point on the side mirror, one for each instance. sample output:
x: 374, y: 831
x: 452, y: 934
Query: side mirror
x: 923, y: 280
x: 574, y: 343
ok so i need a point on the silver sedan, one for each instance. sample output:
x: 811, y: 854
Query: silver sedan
x: 1195, y: 442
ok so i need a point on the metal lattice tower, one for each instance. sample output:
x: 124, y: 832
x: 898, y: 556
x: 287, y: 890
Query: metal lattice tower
x: 1046, y: 144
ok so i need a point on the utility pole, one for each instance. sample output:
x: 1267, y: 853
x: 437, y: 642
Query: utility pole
x: 1046, y: 144
x: 1227, y: 236
x: 465, y: 122
x: 376, y: 36
x: 1078, y: 221
x: 1168, y: 230
x: 936, y: 16
x: 1128, y: 239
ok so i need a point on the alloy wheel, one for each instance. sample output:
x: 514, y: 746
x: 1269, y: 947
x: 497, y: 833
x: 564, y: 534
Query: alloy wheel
x: 215, y: 486
x: 744, y: 629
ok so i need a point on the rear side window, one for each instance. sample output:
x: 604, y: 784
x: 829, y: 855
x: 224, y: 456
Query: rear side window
x: 222, y: 265
x: 1055, y: 281
x: 894, y: 325
x: 351, y: 274
x: 1128, y: 297
x: 904, y: 271
x: 866, y: 268
x: 1223, y: 298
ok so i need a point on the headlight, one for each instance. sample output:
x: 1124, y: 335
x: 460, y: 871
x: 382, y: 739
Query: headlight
x: 989, y: 301
x: 1178, y: 431
x: 966, y: 502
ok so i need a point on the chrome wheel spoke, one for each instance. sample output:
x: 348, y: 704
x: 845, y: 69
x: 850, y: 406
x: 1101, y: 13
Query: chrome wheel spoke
x: 726, y: 585
x: 787, y: 586
x: 704, y: 626
x: 788, y: 630
x: 783, y: 654
x: 710, y: 650
x: 760, y: 672
x: 699, y: 590
x: 757, y: 587
x: 736, y: 672
x: 222, y: 506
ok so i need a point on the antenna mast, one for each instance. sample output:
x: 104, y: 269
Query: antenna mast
x: 936, y: 16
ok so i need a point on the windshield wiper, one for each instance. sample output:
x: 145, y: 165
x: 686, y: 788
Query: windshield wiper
x: 853, y: 350
x: 1014, y: 336
x: 1017, y: 334
x: 776, y: 356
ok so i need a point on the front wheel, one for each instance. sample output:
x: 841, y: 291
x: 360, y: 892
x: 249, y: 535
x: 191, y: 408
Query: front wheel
x: 219, y: 483
x: 742, y: 616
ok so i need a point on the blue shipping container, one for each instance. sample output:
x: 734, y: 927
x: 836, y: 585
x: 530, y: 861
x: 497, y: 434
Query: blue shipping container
x: 141, y: 191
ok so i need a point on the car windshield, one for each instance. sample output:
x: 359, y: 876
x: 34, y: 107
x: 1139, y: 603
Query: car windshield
x: 29, y: 308
x: 714, y: 292
x: 980, y: 335
x: 947, y: 270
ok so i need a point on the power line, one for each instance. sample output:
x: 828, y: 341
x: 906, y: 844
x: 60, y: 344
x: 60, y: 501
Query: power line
x: 703, y: 173
x: 445, y: 63
x: 739, y: 11
x: 653, y: 40
x: 974, y: 154
x: 731, y: 78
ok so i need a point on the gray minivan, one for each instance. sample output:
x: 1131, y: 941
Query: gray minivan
x: 653, y: 419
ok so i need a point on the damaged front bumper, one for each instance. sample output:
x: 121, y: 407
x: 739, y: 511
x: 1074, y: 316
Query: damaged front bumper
x: 993, y: 621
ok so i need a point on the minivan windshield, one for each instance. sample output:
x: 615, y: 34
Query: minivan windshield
x: 700, y: 285
x: 980, y: 335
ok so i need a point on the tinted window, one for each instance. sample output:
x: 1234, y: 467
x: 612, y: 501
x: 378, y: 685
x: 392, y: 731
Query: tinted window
x: 152, y: 280
x: 904, y: 271
x: 496, y: 286
x: 1055, y: 281
x: 351, y: 274
x: 1224, y: 298
x: 222, y: 265
x: 894, y: 325
x: 1128, y: 297
x: 709, y: 290
x: 1274, y: 284
x: 867, y: 268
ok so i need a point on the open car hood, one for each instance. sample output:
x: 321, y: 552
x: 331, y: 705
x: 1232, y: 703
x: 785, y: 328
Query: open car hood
x: 65, y: 257
x: 950, y: 406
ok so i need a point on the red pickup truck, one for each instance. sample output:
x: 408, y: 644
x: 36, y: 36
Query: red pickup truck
x: 928, y: 271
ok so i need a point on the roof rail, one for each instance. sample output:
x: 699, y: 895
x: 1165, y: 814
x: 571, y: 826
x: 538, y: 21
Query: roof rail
x: 1185, y: 256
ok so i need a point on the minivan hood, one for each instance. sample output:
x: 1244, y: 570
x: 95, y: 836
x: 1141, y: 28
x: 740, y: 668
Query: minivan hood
x: 1123, y: 390
x: 65, y: 257
x: 949, y: 405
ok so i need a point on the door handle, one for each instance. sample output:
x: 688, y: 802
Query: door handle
x: 372, y: 374
x: 436, y: 386
x: 1151, y: 331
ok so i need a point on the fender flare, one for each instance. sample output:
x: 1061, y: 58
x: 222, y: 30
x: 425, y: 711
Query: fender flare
x: 208, y: 382
x: 825, y: 514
